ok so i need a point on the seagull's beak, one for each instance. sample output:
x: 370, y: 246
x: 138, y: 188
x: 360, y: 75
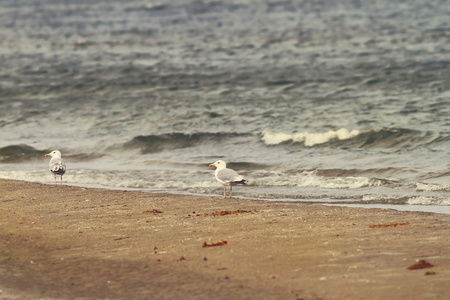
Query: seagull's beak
x: 48, y: 154
x: 211, y: 165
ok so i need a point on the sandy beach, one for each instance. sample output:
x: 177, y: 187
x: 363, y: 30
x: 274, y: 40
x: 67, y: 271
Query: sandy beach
x: 66, y: 242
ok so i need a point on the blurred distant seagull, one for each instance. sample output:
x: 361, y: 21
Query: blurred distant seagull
x: 56, y: 164
x: 227, y: 176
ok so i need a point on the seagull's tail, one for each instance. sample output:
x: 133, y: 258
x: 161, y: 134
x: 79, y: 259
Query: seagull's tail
x: 243, y: 181
x: 58, y: 170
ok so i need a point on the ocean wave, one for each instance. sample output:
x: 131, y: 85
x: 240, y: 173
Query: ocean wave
x: 421, y: 186
x: 25, y: 153
x: 19, y: 153
x: 116, y: 179
x: 340, y: 182
x: 308, y: 139
x: 383, y: 138
x: 311, y: 179
x: 384, y: 199
x: 429, y: 200
x: 384, y: 174
x: 169, y: 141
x: 405, y: 199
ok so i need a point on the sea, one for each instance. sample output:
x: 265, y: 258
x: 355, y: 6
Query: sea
x: 336, y: 102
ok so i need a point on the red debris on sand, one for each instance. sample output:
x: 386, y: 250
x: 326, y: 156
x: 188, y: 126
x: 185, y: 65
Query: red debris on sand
x: 421, y: 264
x: 388, y: 225
x: 153, y: 211
x: 234, y: 212
x: 221, y: 243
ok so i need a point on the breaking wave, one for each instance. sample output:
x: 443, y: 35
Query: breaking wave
x: 383, y: 138
x: 308, y: 139
x: 313, y: 179
x: 421, y: 186
x: 429, y: 200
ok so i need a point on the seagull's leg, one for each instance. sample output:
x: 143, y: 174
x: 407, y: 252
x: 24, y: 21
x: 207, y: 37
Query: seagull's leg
x: 231, y: 190
x: 54, y: 177
x: 224, y: 191
x: 61, y: 179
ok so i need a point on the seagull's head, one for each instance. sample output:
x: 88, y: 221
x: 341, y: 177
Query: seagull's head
x: 54, y: 153
x: 220, y: 164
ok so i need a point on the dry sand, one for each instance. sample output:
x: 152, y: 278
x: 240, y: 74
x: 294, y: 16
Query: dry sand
x: 68, y: 242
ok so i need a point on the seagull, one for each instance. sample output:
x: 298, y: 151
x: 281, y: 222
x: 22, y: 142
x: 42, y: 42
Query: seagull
x: 227, y: 176
x: 56, y: 164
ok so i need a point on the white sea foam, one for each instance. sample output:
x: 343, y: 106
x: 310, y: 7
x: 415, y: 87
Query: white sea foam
x: 383, y: 198
x: 114, y: 179
x: 429, y: 200
x: 310, y: 179
x: 338, y: 182
x: 33, y: 176
x: 421, y: 186
x: 309, y: 139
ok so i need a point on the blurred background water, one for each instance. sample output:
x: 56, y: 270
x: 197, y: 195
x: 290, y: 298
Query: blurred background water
x: 341, y: 102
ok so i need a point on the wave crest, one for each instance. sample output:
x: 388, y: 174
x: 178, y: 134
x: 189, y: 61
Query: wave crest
x: 309, y: 139
x: 18, y: 153
x: 422, y: 186
x: 383, y: 138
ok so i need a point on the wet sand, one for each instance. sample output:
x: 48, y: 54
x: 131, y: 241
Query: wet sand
x: 68, y: 242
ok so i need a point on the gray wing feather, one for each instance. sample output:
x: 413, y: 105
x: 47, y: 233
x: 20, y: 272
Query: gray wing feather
x: 228, y: 175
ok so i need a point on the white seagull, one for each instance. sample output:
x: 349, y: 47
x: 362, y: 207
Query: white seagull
x: 227, y: 176
x: 56, y: 164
